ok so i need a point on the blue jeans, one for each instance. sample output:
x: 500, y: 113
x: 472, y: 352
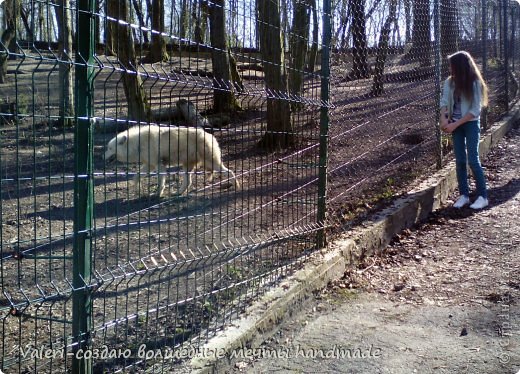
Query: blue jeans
x: 467, y: 136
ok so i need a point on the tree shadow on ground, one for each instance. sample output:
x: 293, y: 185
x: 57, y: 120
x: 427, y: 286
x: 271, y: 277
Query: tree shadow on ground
x: 502, y: 194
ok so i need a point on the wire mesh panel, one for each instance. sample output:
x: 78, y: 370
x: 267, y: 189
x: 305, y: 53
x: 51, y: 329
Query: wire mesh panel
x: 181, y: 183
x: 163, y: 162
x: 385, y: 91
x: 36, y: 168
x: 385, y: 87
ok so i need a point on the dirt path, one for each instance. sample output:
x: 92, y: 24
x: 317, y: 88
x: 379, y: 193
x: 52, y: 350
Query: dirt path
x: 443, y: 298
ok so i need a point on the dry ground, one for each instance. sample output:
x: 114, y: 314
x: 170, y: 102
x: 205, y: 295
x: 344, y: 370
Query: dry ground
x: 181, y: 254
x: 442, y: 298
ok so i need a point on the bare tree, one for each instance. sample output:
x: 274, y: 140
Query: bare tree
x: 359, y: 40
x: 42, y: 29
x: 66, y: 89
x: 408, y: 20
x: 8, y: 38
x: 223, y: 96
x: 382, y: 49
x: 200, y: 18
x: 279, y: 132
x: 25, y: 20
x: 311, y: 64
x: 421, y: 34
x: 299, y: 44
x: 157, y: 51
x: 110, y: 31
x: 449, y: 30
x: 138, y: 108
x: 139, y: 13
x: 495, y: 27
x: 184, y: 19
x: 340, y: 30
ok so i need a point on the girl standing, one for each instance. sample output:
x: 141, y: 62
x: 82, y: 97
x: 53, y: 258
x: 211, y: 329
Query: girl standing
x: 464, y: 94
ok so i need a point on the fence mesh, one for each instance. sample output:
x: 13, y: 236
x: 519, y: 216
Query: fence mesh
x: 384, y: 123
x: 93, y: 258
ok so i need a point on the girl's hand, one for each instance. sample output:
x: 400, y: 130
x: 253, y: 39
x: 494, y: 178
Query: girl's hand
x: 449, y: 127
x: 444, y: 120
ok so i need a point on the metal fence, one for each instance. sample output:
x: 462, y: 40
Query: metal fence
x: 311, y: 114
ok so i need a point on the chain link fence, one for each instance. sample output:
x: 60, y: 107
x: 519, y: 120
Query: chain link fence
x: 309, y: 115
x: 386, y: 97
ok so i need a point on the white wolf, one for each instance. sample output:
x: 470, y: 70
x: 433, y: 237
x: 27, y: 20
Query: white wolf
x: 157, y: 147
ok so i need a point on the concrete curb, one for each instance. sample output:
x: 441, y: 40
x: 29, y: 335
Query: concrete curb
x: 261, y: 318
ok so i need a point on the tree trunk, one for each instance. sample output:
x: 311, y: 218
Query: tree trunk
x: 183, y: 20
x: 359, y: 41
x: 11, y: 17
x: 494, y: 32
x: 158, y: 51
x: 421, y: 34
x: 449, y: 31
x: 311, y: 66
x: 7, y: 36
x: 279, y: 134
x: 235, y: 76
x: 382, y: 50
x: 139, y: 13
x: 298, y: 43
x: 138, y: 108
x: 345, y: 32
x: 408, y: 21
x: 28, y: 29
x: 342, y: 20
x: 110, y: 29
x: 66, y: 87
x: 41, y: 22
x: 200, y: 19
x: 223, y: 97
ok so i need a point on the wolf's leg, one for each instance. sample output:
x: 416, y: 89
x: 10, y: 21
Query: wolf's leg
x: 186, y: 182
x: 230, y: 175
x: 136, y: 180
x: 162, y: 180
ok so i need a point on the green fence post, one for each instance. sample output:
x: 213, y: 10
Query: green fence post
x: 324, y: 123
x: 83, y: 186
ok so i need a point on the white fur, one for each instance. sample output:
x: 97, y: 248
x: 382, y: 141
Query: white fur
x: 157, y: 147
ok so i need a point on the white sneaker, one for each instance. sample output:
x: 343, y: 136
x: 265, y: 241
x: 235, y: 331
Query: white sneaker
x: 480, y: 203
x: 461, y: 201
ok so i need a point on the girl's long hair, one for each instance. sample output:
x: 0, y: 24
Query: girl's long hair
x: 464, y: 73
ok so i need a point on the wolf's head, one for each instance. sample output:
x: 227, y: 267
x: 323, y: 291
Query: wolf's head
x: 117, y: 148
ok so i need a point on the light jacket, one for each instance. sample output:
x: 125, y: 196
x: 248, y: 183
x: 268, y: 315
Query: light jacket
x: 473, y: 106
